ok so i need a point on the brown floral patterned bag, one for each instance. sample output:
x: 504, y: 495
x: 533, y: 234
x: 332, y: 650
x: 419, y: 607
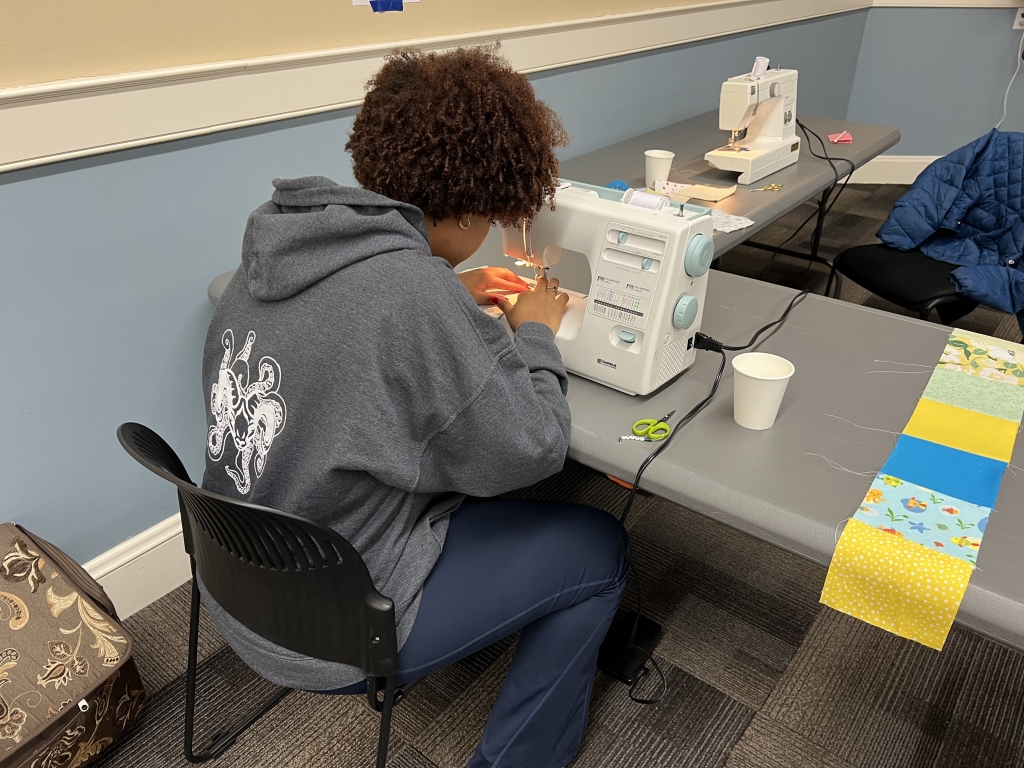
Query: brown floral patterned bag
x: 68, y: 684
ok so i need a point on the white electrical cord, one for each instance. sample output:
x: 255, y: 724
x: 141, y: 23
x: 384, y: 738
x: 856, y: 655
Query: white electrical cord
x: 1020, y: 53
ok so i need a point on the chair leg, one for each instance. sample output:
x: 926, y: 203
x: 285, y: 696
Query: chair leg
x: 224, y: 739
x: 831, y: 277
x: 385, y: 722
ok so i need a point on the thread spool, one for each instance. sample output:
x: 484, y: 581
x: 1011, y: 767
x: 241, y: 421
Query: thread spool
x: 646, y: 200
x: 760, y: 66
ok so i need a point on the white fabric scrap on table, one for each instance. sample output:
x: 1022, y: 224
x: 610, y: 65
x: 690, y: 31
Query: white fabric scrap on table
x: 726, y: 222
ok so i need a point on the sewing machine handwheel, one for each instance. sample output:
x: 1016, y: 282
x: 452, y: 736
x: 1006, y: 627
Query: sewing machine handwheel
x: 699, y: 255
x: 685, y: 312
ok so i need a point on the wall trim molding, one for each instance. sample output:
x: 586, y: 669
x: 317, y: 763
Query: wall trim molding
x: 892, y: 169
x: 144, y: 568
x: 50, y: 122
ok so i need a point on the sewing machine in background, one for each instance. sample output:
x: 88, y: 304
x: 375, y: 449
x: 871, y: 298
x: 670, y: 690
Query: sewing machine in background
x: 648, y: 259
x: 764, y: 106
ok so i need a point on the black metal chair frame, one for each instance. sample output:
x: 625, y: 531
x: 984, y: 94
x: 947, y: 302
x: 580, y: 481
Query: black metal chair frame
x: 232, y: 543
x: 834, y: 277
x: 924, y: 311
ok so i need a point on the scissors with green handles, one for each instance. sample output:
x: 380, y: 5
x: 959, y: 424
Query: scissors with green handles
x: 653, y: 429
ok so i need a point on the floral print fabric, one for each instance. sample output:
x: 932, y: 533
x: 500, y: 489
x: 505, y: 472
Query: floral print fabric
x: 57, y: 648
x: 984, y: 357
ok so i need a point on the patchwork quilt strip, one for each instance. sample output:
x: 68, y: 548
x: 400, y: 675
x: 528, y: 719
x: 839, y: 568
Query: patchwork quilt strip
x: 905, y: 558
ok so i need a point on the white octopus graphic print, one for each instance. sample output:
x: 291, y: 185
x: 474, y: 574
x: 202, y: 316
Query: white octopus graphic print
x: 251, y: 413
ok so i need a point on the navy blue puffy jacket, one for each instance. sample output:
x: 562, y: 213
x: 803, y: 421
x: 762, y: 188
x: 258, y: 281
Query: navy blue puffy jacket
x: 966, y: 209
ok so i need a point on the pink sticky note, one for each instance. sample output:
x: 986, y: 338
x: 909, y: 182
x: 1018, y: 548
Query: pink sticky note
x: 841, y: 138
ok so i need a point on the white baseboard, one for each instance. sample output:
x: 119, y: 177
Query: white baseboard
x: 892, y: 169
x: 144, y: 568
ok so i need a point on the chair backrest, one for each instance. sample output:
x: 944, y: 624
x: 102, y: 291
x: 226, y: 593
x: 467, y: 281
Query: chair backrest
x: 152, y: 451
x: 297, y: 583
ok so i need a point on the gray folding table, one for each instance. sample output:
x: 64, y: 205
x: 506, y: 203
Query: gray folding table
x: 859, y: 375
x: 810, y: 177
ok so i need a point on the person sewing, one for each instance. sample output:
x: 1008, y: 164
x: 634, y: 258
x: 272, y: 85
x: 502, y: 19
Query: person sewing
x: 368, y: 391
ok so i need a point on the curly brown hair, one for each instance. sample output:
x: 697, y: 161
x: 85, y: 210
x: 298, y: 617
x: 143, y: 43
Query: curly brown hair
x: 457, y: 133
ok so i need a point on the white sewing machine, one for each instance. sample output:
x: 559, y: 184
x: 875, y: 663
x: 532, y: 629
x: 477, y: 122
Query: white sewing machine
x: 633, y: 330
x: 765, y: 106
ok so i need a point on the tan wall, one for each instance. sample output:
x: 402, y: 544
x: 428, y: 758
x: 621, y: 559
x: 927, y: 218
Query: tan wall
x: 45, y: 40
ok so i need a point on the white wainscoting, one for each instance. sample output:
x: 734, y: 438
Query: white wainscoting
x: 144, y: 568
x: 892, y: 169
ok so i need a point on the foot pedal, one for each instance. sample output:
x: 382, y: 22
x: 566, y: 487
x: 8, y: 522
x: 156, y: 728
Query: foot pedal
x: 620, y: 658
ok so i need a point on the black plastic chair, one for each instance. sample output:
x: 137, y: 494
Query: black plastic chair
x: 906, y: 278
x: 276, y: 573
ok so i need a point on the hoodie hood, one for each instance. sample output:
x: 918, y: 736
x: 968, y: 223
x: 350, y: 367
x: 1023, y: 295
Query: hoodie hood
x: 313, y: 228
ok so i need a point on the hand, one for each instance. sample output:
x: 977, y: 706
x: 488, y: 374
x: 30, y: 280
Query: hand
x: 541, y: 305
x: 479, y: 281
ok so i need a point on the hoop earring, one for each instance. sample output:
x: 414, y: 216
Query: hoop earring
x: 467, y: 225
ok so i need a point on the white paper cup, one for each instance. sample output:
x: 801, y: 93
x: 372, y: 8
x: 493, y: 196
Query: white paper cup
x: 658, y: 163
x: 759, y: 383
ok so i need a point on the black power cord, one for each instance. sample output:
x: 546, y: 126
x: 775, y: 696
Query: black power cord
x: 830, y: 160
x: 703, y: 342
x: 832, y: 163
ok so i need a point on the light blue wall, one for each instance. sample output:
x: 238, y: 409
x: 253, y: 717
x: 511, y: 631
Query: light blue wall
x: 104, y: 265
x: 937, y: 74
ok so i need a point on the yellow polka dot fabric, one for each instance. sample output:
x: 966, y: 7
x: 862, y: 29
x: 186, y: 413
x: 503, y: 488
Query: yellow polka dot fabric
x: 895, y: 584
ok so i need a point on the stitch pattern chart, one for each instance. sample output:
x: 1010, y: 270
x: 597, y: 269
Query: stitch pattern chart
x: 905, y: 558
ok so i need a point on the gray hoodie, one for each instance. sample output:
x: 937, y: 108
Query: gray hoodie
x: 350, y: 378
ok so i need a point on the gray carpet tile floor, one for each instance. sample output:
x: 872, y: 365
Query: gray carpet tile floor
x: 760, y: 675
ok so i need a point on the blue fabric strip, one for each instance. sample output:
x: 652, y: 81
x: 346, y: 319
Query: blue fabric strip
x: 380, y: 6
x: 946, y: 470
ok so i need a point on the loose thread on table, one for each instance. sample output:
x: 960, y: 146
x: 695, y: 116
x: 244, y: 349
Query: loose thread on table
x: 917, y: 372
x: 895, y: 435
x: 840, y: 467
x: 899, y: 362
x: 858, y: 426
x: 841, y: 523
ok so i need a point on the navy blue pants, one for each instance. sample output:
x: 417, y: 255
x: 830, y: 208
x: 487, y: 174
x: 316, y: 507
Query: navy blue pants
x: 555, y: 571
